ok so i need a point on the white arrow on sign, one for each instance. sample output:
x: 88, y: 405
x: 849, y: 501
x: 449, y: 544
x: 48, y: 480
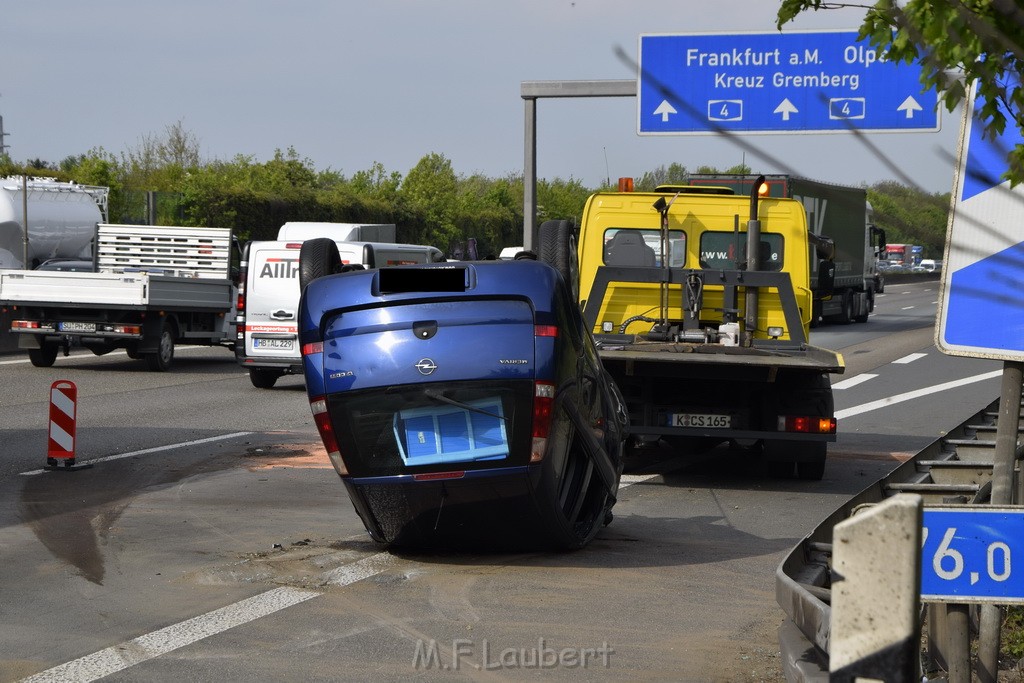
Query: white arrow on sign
x: 663, y: 110
x: 786, y: 108
x: 909, y: 105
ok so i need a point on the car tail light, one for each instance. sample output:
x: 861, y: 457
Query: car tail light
x: 807, y: 424
x: 543, y: 404
x: 243, y: 273
x: 318, y: 406
x: 312, y: 347
x: 24, y: 325
x: 545, y: 331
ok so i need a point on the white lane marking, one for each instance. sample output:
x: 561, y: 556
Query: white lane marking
x: 147, y: 451
x: 360, y: 569
x: 909, y: 358
x: 630, y: 479
x: 918, y: 393
x: 120, y: 657
x: 853, y: 381
x: 906, y: 308
x: 113, y: 659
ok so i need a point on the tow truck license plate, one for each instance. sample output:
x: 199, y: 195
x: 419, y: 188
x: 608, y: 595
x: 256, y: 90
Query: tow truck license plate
x: 283, y: 344
x: 700, y: 420
x: 78, y: 327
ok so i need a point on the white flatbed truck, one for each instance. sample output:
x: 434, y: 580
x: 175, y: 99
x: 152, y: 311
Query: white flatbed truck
x: 154, y: 287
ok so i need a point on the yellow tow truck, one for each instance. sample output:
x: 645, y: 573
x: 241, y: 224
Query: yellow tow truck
x: 707, y: 344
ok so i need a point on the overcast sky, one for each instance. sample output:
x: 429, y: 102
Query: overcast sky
x: 348, y: 84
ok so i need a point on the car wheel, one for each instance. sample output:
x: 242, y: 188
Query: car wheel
x: 264, y: 378
x: 558, y: 250
x: 317, y: 258
x: 161, y: 360
x: 846, y: 317
x: 800, y: 394
x: 812, y: 467
x: 44, y: 356
x: 577, y: 501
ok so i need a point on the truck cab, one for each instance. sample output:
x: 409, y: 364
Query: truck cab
x: 704, y: 234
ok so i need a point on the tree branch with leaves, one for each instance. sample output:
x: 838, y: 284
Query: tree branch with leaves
x: 957, y: 43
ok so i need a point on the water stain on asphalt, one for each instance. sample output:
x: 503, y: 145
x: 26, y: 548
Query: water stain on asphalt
x: 72, y: 512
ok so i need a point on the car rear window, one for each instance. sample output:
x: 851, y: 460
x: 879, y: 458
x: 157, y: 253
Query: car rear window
x: 439, y: 426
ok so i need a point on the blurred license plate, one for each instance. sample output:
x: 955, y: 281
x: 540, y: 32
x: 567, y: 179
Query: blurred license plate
x: 78, y: 327
x: 700, y: 420
x: 283, y: 344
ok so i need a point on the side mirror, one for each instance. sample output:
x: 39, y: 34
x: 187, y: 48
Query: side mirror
x: 826, y: 277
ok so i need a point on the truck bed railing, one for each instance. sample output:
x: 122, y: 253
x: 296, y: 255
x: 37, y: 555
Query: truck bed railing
x: 730, y: 280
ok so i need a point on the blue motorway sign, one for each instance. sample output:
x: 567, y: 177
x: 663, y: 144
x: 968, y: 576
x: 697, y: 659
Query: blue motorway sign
x: 969, y: 554
x: 980, y: 307
x: 794, y: 82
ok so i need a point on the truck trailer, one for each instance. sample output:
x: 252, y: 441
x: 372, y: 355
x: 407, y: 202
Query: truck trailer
x: 841, y: 214
x: 707, y: 344
x: 61, y: 220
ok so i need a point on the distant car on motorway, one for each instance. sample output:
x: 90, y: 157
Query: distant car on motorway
x: 68, y: 265
x: 461, y: 402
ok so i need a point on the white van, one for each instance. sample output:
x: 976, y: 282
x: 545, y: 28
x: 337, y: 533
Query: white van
x: 268, y: 299
x: 298, y: 231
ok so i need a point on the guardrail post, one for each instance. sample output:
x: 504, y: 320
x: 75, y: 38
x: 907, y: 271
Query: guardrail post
x: 876, y: 593
x: 958, y: 645
x: 1003, y: 487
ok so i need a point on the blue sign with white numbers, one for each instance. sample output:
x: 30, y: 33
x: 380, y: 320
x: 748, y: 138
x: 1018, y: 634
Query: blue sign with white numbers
x: 794, y: 82
x: 969, y: 555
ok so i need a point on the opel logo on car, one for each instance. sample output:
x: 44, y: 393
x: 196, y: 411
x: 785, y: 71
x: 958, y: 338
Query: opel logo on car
x: 426, y: 366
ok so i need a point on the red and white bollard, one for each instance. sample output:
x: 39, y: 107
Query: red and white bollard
x: 63, y: 415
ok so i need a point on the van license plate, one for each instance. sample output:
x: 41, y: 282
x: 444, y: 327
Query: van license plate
x: 700, y: 420
x: 78, y: 327
x: 280, y: 344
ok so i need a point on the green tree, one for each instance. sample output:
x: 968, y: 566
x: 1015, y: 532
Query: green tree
x: 430, y: 190
x: 984, y: 39
x: 910, y: 215
x: 675, y: 174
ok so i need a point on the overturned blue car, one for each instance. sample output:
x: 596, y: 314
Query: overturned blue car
x: 461, y: 403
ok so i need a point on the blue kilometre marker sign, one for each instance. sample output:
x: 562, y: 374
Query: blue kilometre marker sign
x: 971, y: 554
x: 794, y: 82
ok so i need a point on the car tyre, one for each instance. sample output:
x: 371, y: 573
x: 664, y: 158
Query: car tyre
x: 558, y: 250
x: 577, y: 502
x: 264, y: 378
x: 163, y: 357
x: 44, y: 356
x: 317, y: 258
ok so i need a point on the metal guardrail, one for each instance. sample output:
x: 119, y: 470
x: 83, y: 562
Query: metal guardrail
x: 956, y: 468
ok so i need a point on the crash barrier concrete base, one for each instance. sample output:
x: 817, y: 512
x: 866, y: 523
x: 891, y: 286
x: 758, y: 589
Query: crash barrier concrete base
x: 876, y: 569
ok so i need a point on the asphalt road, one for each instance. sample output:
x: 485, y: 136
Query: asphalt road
x: 211, y: 540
